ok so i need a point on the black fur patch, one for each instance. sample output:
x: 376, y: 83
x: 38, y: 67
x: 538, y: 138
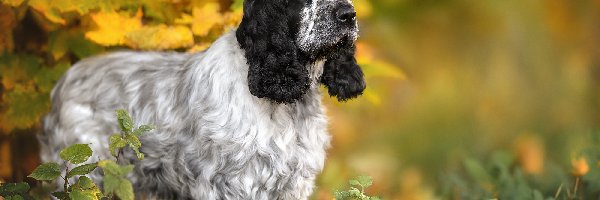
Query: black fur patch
x: 267, y: 34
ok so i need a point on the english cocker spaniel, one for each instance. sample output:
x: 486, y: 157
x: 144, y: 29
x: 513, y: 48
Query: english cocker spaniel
x: 241, y: 120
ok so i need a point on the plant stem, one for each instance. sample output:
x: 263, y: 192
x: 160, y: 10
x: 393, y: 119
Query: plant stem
x: 576, y: 186
x: 558, y: 191
x: 66, y: 185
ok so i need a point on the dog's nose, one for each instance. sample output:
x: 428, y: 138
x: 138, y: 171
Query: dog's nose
x: 345, y: 13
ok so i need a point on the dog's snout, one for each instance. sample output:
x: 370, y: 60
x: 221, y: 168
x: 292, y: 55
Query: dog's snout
x: 345, y: 13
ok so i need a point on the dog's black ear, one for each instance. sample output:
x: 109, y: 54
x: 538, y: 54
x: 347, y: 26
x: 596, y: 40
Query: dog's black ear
x: 267, y: 35
x: 341, y: 74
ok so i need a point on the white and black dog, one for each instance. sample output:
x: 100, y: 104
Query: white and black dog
x: 242, y: 120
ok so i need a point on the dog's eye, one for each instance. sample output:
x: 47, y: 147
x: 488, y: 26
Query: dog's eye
x: 308, y: 2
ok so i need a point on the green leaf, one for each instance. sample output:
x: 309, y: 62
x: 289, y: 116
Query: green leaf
x: 46, y: 77
x: 343, y: 195
x: 82, y: 47
x: 116, y: 142
x: 237, y: 5
x: 135, y: 143
x: 125, y: 121
x: 476, y: 171
x: 25, y: 107
x: 355, y: 192
x: 354, y: 182
x: 46, y: 172
x: 125, y: 190
x: 119, y: 186
x: 82, y: 195
x: 143, y: 129
x: 77, y: 153
x: 109, y: 167
x: 115, y: 181
x: 14, y: 197
x: 365, y: 181
x: 82, y: 170
x: 14, y: 188
x: 85, y: 189
x: 85, y: 183
x: 61, y: 195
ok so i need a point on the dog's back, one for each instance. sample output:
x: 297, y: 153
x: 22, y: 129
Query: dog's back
x: 84, y: 100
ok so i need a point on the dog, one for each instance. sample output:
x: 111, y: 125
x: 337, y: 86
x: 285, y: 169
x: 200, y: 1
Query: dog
x: 240, y: 120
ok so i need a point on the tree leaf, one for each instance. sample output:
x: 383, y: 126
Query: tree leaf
x: 135, y: 143
x: 119, y: 186
x: 85, y: 189
x: 82, y: 195
x: 14, y: 188
x: 365, y: 181
x: 14, y: 3
x: 125, y: 190
x: 206, y: 18
x: 111, y: 183
x: 160, y: 37
x: 14, y: 197
x: 45, y: 8
x: 82, y: 170
x: 354, y: 182
x: 84, y: 182
x: 116, y: 142
x: 143, y: 129
x: 61, y: 195
x: 77, y: 153
x: 46, y: 172
x: 112, y: 168
x: 125, y: 121
x: 112, y: 27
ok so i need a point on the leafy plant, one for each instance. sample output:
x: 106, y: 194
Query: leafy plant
x: 115, y: 181
x: 14, y: 191
x: 355, y: 193
x: 75, y: 154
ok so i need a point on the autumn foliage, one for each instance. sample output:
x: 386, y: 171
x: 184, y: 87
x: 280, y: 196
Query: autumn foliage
x: 40, y: 39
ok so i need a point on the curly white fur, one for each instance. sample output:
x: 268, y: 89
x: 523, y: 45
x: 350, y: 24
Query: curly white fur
x: 214, y: 140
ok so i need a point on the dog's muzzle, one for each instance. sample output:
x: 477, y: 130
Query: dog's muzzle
x: 345, y: 17
x: 346, y: 14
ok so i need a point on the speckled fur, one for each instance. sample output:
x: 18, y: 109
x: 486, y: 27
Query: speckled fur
x: 214, y: 138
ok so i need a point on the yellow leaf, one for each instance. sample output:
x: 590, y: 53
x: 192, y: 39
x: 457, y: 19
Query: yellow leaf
x: 232, y: 19
x: 160, y: 37
x: 13, y: 3
x: 79, y: 6
x: 184, y: 19
x: 45, y: 8
x: 205, y: 18
x: 113, y: 27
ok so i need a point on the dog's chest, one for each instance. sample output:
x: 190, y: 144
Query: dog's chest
x: 260, y: 146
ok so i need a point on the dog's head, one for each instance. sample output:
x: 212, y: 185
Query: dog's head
x: 283, y: 38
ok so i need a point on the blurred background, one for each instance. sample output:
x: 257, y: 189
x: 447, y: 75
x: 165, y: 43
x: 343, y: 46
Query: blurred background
x: 466, y: 99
